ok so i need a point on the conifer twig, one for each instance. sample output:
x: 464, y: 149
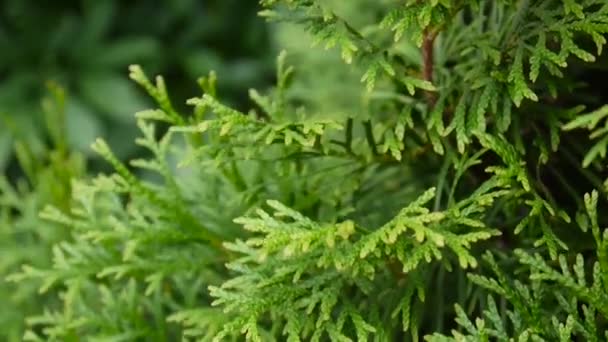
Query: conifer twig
x: 369, y: 135
x: 428, y: 44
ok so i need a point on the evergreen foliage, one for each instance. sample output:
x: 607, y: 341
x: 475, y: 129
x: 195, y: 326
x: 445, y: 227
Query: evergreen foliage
x: 24, y: 237
x: 449, y: 196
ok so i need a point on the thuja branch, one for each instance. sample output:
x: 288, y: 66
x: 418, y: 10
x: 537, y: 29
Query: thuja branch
x: 369, y: 135
x: 428, y: 44
x: 428, y: 49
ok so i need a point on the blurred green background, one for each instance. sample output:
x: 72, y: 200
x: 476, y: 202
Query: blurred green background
x: 64, y: 82
x: 86, y: 46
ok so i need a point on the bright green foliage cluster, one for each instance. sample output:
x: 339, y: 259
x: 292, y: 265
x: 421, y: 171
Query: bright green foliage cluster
x: 450, y: 198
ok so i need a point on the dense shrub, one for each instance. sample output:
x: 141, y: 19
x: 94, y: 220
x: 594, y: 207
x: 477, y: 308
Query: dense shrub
x: 453, y: 195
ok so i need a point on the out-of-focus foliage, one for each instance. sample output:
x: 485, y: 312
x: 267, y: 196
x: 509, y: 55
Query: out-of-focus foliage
x: 24, y: 237
x: 86, y: 46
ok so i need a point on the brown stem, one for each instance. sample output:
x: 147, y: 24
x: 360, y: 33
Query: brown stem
x: 428, y: 62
